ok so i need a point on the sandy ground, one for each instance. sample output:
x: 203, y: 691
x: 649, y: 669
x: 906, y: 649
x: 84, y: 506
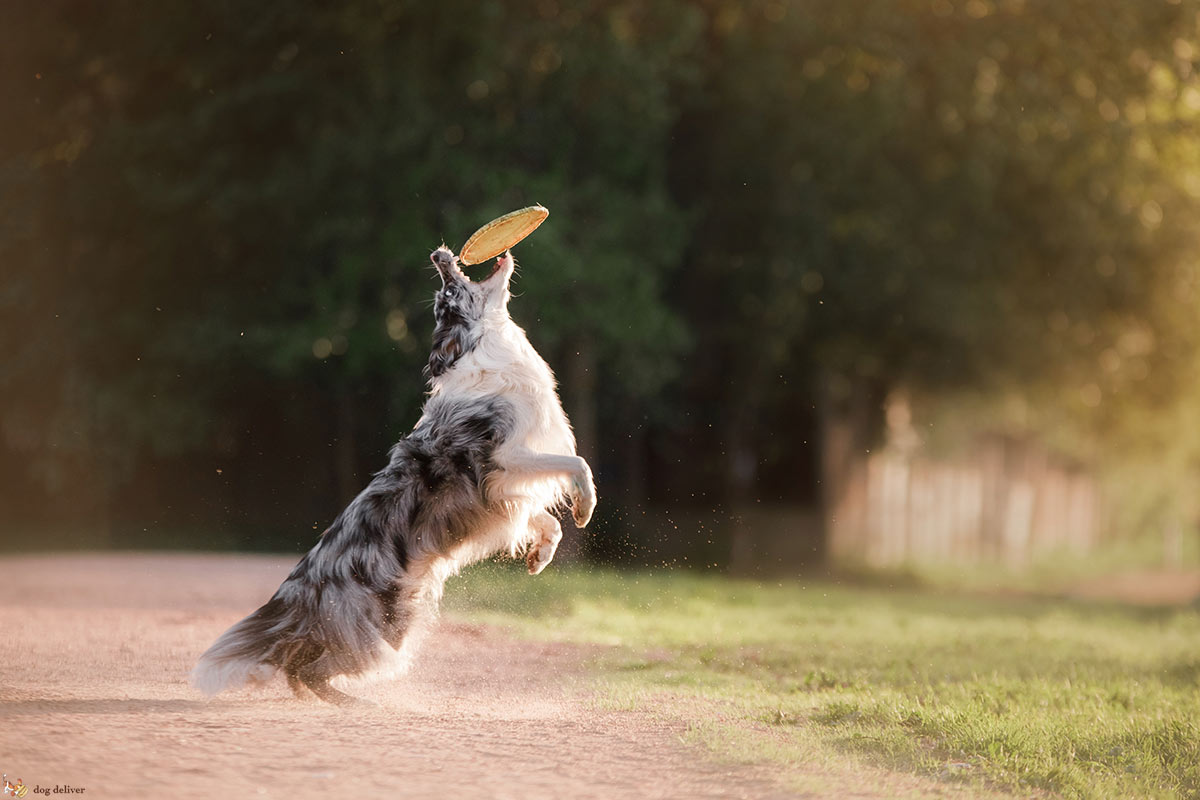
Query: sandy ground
x: 1144, y: 587
x: 93, y: 696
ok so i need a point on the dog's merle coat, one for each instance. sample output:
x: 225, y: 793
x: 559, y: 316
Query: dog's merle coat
x: 491, y: 455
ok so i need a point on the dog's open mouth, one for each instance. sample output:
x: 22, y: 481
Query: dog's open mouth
x: 495, y: 267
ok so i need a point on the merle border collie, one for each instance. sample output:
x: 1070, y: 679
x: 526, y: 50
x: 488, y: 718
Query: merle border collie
x: 490, y: 459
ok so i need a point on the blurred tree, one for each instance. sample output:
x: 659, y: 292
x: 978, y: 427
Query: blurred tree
x: 995, y: 196
x: 243, y: 196
x: 214, y: 221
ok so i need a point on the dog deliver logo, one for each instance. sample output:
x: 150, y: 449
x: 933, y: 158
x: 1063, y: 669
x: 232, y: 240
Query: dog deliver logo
x: 18, y: 789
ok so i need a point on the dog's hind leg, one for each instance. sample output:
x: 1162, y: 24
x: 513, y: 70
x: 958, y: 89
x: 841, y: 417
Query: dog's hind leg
x: 305, y: 668
x: 302, y: 656
x: 547, y: 533
x: 295, y: 684
x: 317, y: 680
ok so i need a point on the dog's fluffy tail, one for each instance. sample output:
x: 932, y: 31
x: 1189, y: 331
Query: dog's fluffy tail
x: 250, y: 652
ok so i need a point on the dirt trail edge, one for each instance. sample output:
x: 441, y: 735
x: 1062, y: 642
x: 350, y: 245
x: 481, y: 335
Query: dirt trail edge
x: 93, y: 697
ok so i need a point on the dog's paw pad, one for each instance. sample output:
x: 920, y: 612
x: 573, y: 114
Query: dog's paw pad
x: 538, y: 557
x: 583, y: 503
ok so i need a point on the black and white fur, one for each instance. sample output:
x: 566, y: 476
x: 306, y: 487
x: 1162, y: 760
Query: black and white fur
x: 492, y: 455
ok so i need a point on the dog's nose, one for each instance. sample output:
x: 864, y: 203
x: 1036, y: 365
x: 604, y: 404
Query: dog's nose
x: 442, y: 258
x: 447, y: 265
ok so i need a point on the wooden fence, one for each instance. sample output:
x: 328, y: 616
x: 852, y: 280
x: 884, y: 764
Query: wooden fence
x: 1004, y: 503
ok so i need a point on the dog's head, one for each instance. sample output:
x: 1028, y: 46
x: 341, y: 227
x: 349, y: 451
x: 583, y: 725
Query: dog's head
x: 463, y: 308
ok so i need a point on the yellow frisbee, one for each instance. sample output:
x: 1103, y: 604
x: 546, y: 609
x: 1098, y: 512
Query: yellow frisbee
x: 501, y: 233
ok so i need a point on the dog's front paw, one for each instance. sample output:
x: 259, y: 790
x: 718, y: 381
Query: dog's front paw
x: 547, y: 533
x: 539, y: 556
x: 583, y: 497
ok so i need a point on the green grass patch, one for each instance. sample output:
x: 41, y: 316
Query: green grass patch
x: 1019, y: 693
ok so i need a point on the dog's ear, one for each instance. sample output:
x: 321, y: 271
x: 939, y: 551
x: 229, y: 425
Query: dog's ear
x: 447, y: 348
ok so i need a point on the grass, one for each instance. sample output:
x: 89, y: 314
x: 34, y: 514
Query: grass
x: 1016, y: 693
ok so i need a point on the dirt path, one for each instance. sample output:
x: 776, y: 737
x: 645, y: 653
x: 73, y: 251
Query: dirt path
x: 93, y: 696
x: 1143, y: 587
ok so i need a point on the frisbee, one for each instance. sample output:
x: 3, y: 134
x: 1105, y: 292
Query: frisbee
x: 501, y: 233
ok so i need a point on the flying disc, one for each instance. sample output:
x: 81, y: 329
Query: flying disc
x: 501, y: 233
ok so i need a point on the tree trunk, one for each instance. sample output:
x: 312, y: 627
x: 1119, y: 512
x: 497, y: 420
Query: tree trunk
x: 849, y: 412
x: 741, y: 468
x: 634, y: 448
x: 579, y: 398
x: 345, y: 451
